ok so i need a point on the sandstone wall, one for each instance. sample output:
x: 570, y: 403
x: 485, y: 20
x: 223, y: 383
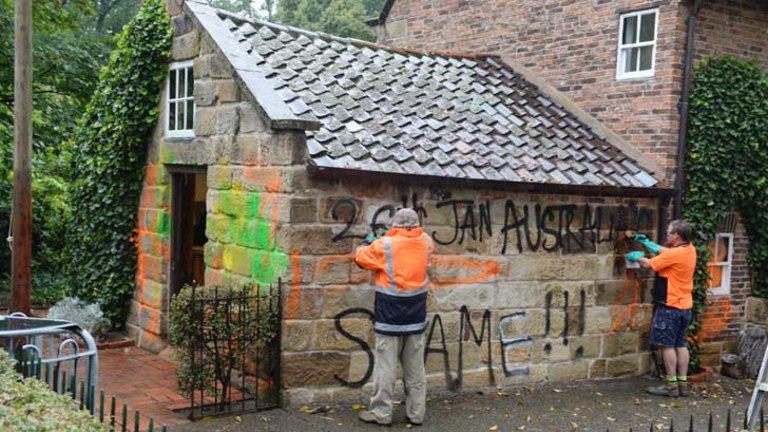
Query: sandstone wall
x: 547, y: 298
x: 249, y: 174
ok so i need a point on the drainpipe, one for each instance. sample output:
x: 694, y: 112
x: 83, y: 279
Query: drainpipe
x: 682, y: 135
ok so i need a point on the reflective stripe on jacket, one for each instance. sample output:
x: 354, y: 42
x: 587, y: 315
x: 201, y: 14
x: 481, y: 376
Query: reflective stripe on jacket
x: 399, y: 261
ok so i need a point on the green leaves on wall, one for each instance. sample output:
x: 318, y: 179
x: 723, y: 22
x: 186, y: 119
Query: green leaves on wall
x: 726, y: 164
x: 109, y: 155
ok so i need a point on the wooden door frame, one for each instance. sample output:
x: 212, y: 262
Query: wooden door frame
x: 177, y: 173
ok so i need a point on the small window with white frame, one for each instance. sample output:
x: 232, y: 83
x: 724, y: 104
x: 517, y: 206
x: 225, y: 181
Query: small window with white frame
x: 720, y: 264
x: 180, y: 109
x: 637, y: 44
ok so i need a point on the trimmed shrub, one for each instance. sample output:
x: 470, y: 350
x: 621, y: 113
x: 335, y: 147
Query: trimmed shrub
x: 27, y: 405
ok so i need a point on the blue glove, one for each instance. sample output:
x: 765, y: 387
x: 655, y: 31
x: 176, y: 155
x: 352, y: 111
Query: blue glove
x: 634, y: 256
x: 369, y: 238
x: 652, y: 247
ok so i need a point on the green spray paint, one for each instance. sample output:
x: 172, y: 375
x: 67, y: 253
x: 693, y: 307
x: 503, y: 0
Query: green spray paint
x: 251, y: 231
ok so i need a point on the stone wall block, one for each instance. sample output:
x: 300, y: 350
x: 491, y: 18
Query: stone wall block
x: 622, y: 366
x: 585, y: 347
x: 238, y: 259
x: 213, y: 254
x: 303, y: 210
x: 314, y: 369
x: 597, y: 369
x: 250, y: 119
x: 185, y: 47
x: 227, y: 119
x: 574, y: 289
x: 282, y: 149
x: 201, y: 68
x: 521, y: 268
x: 181, y: 24
x: 245, y: 150
x: 569, y: 371
x: 297, y: 335
x: 306, y: 304
x: 153, y: 268
x: 259, y: 179
x: 628, y: 342
x: 552, y: 350
x: 205, y: 121
x: 598, y: 320
x: 228, y: 91
x: 312, y: 239
x: 359, y: 364
x: 173, y: 7
x: 325, y: 336
x: 204, y: 93
x: 220, y: 67
x: 757, y: 311
x: 332, y: 271
x: 346, y: 209
x: 519, y: 295
x: 474, y: 297
x: 219, y: 177
x: 152, y: 294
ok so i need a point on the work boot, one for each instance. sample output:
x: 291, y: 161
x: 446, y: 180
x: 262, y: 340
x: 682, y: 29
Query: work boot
x: 668, y: 389
x: 412, y: 422
x: 682, y: 387
x: 369, y: 417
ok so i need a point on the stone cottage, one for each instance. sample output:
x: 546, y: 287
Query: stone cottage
x: 279, y: 149
x: 623, y: 62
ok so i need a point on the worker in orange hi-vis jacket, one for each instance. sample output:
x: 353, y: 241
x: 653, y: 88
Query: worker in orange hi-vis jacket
x: 673, y: 296
x: 399, y: 261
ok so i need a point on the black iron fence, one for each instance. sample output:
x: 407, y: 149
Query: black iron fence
x: 64, y: 380
x: 733, y: 423
x: 231, y: 359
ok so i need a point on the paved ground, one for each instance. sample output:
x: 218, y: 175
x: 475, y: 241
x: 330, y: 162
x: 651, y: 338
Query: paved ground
x: 143, y: 382
x: 616, y: 405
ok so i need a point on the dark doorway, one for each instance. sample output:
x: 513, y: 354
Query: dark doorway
x: 188, y: 213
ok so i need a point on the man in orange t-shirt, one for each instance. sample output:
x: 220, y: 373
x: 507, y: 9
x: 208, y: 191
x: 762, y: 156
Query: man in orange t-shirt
x: 673, y: 295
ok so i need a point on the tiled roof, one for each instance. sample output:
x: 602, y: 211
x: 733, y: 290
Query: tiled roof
x: 383, y: 110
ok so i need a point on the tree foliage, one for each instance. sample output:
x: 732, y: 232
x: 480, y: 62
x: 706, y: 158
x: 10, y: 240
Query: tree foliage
x: 725, y: 165
x: 109, y: 154
x: 345, y: 18
x: 67, y: 55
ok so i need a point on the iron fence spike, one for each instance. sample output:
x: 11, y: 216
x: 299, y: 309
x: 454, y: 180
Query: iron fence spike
x: 728, y: 421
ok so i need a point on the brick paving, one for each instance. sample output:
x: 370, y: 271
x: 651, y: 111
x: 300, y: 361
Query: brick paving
x: 144, y: 382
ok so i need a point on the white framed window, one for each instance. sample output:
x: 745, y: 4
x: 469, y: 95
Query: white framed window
x: 637, y: 44
x: 180, y: 109
x: 720, y: 264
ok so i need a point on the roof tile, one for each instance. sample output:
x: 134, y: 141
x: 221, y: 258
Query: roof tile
x: 424, y: 114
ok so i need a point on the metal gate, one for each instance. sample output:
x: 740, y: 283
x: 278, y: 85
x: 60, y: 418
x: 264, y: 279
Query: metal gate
x: 235, y: 357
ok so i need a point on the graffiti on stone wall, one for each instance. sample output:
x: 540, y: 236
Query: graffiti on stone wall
x: 437, y: 343
x: 567, y: 227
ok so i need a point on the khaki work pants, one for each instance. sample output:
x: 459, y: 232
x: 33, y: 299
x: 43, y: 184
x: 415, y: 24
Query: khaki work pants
x: 410, y: 351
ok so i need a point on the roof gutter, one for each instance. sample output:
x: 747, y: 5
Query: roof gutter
x: 682, y: 135
x: 552, y: 188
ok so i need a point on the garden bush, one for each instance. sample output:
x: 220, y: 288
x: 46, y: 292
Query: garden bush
x: 229, y: 326
x: 89, y: 316
x: 27, y: 405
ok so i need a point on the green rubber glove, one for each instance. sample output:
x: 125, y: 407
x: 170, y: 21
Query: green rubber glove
x: 634, y: 256
x: 643, y: 239
x: 369, y: 238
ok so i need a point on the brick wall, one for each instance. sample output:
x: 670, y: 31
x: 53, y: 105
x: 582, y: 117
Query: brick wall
x: 725, y: 315
x: 734, y: 27
x: 572, y: 44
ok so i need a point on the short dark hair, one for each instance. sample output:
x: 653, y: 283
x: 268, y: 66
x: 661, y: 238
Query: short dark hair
x: 682, y: 228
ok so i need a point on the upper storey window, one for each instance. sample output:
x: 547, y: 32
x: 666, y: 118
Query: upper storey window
x: 180, y: 110
x: 637, y: 44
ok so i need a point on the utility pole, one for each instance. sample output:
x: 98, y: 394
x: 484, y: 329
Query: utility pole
x: 21, y: 261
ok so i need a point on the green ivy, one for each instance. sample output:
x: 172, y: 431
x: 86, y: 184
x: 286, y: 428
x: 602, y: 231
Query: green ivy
x: 109, y: 156
x: 726, y: 165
